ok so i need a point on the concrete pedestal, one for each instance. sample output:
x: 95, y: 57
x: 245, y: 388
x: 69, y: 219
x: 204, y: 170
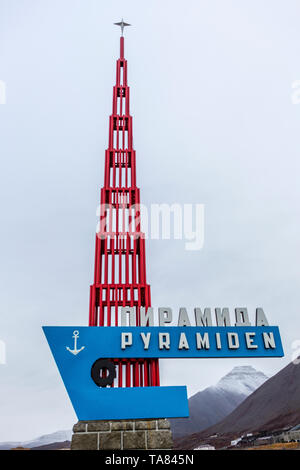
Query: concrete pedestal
x: 122, y: 435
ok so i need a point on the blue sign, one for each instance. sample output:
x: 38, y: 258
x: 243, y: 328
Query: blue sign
x: 75, y: 350
x: 167, y: 342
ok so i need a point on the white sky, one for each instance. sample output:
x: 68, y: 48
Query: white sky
x: 211, y: 84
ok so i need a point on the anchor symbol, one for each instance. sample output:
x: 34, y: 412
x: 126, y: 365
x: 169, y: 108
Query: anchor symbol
x: 75, y: 351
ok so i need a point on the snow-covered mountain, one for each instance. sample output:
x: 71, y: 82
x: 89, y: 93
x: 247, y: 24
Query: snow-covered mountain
x: 211, y: 405
x: 242, y: 380
x: 59, y: 436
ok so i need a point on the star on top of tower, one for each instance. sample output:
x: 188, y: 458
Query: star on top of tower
x: 122, y: 25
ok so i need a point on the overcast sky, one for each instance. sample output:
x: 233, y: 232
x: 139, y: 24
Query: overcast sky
x: 211, y: 85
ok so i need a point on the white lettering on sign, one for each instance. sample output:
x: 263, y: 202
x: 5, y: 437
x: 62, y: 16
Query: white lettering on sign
x: 146, y: 339
x: 242, y: 317
x: 250, y: 340
x: 199, y: 340
x: 218, y: 341
x: 164, y: 340
x: 183, y: 318
x: 261, y: 319
x: 128, y: 312
x: 200, y: 317
x: 165, y: 316
x: 233, y: 340
x: 183, y: 342
x: 147, y: 319
x: 202, y: 342
x: 203, y: 319
x: 269, y: 341
x: 126, y: 340
x: 222, y: 317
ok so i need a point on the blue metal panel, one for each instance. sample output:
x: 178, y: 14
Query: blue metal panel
x: 101, y: 342
x: 91, y: 402
x: 76, y: 353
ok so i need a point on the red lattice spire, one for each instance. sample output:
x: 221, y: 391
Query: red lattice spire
x: 120, y: 264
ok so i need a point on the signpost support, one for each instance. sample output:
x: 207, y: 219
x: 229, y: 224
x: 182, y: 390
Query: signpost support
x: 122, y: 435
x: 120, y: 275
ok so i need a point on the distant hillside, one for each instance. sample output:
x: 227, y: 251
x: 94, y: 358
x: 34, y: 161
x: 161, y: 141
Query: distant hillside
x: 55, y: 438
x: 214, y: 403
x: 274, y: 405
x: 54, y: 446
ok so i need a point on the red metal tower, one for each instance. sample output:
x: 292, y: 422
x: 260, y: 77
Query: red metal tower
x: 120, y: 264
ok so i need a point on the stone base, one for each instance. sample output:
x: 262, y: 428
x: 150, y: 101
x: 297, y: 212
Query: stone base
x: 122, y: 435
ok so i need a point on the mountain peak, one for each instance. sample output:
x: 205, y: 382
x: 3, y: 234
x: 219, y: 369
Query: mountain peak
x: 246, y: 368
x: 212, y: 404
x: 243, y: 380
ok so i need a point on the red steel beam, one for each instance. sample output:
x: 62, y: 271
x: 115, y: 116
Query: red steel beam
x: 120, y: 259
